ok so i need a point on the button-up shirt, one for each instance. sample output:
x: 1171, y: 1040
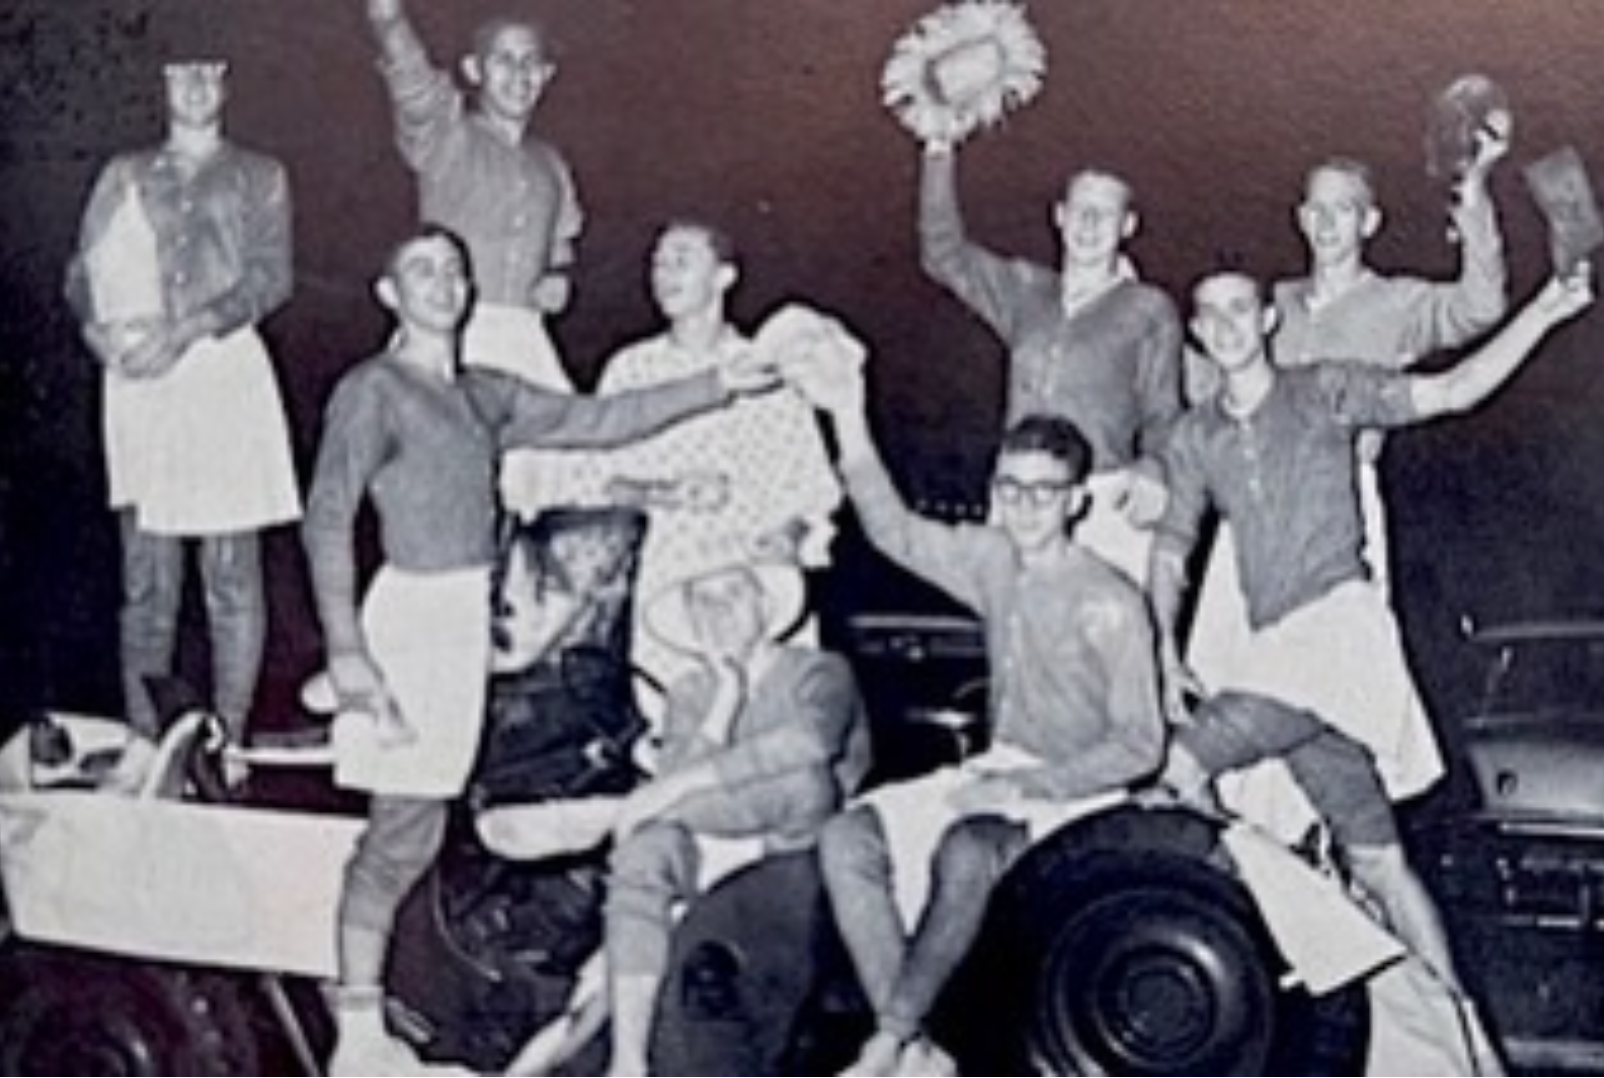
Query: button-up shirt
x: 1283, y: 475
x: 1112, y: 366
x: 223, y: 232
x: 514, y: 205
x: 1070, y: 644
x: 1394, y: 321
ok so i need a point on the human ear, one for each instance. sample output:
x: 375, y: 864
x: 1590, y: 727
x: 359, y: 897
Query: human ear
x: 1130, y: 225
x: 473, y: 70
x: 1271, y: 319
x: 1075, y: 504
x: 1372, y: 222
x: 384, y: 289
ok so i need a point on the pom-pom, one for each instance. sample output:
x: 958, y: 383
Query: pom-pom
x: 962, y: 67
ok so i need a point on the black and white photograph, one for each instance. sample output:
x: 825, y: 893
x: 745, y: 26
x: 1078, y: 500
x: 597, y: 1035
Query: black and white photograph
x: 839, y: 537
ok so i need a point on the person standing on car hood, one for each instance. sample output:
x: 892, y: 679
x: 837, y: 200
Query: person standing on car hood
x: 1074, y: 704
x: 417, y: 436
x: 184, y: 250
x: 484, y: 173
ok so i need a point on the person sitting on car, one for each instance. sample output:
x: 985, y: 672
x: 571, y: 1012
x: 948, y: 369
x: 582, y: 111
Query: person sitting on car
x: 1074, y: 701
x: 1230, y: 731
x: 1272, y: 452
x: 762, y: 743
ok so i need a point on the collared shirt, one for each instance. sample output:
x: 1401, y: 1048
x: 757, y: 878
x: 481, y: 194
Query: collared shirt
x: 424, y: 447
x: 1394, y: 321
x: 1113, y: 366
x: 1070, y: 645
x: 1284, y: 477
x: 515, y: 206
x: 223, y: 232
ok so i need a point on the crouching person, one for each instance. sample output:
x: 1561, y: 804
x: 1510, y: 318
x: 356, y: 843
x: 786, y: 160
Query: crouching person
x: 762, y: 743
x: 1074, y: 705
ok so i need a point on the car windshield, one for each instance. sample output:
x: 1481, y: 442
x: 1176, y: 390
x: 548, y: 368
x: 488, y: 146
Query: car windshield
x: 1545, y: 674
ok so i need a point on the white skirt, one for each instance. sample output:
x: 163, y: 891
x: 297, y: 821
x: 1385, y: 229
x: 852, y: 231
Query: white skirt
x: 1219, y: 631
x: 916, y: 814
x: 429, y: 633
x: 205, y: 448
x: 1342, y: 657
x: 515, y: 341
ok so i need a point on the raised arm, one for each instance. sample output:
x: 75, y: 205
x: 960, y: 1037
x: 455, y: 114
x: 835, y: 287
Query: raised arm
x: 1446, y: 314
x: 985, y: 282
x: 1476, y: 377
x: 424, y: 99
x: 828, y: 371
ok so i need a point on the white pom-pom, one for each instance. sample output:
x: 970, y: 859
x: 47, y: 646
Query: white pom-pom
x: 962, y: 67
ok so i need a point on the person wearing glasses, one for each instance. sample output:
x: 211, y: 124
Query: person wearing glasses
x: 1074, y: 705
x: 183, y: 250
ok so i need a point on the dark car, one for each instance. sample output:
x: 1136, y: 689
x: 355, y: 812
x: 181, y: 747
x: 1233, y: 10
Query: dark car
x: 1517, y: 852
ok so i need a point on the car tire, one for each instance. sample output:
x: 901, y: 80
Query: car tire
x: 1139, y: 959
x: 69, y: 1012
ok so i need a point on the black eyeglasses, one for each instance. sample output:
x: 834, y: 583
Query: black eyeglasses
x: 1041, y: 493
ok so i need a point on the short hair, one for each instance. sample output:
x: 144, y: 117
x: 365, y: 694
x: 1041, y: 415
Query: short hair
x: 718, y: 240
x: 1053, y: 435
x: 425, y: 232
x: 1351, y: 167
x: 1221, y: 271
x: 1103, y: 176
x: 486, y: 33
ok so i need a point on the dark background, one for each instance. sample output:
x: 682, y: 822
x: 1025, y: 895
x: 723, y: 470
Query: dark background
x: 764, y: 117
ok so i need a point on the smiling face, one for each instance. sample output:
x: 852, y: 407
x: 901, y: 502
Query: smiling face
x: 1033, y: 498
x: 1230, y: 320
x: 427, y: 284
x: 1338, y: 214
x: 688, y: 274
x: 1094, y: 220
x: 196, y: 93
x: 510, y: 67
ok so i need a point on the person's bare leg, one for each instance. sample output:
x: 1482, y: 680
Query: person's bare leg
x: 634, y: 1007
x: 563, y: 1037
x: 1385, y: 872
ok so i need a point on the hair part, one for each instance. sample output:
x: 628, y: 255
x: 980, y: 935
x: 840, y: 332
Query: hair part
x: 1054, y: 436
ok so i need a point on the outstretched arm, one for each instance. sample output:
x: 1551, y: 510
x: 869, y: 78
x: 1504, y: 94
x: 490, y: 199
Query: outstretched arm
x: 1479, y: 375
